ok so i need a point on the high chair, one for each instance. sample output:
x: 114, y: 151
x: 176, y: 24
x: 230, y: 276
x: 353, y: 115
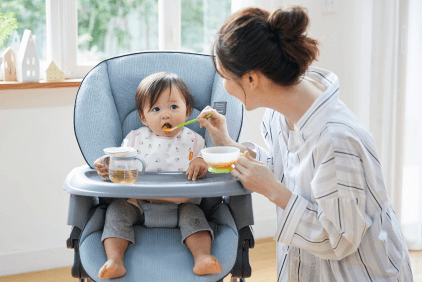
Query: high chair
x: 104, y: 114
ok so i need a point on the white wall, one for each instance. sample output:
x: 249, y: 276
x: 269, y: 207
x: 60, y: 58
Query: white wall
x: 346, y: 40
x: 38, y: 147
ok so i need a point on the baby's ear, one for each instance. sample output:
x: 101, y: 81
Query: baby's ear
x: 143, y: 120
x: 188, y: 112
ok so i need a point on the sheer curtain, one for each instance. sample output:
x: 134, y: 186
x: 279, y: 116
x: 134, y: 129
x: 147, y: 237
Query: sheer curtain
x: 388, y: 75
x: 396, y: 116
x: 412, y: 165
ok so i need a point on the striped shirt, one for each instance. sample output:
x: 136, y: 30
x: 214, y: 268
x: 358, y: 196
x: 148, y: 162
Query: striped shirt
x: 339, y: 224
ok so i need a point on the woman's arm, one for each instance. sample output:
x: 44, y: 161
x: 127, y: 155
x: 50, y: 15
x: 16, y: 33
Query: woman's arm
x: 242, y: 148
x: 257, y: 177
x: 332, y: 227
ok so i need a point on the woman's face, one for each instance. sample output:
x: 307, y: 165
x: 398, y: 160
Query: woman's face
x: 169, y: 110
x: 231, y: 84
x: 238, y: 88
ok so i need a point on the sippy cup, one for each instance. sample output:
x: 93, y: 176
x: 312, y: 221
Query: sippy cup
x: 123, y: 166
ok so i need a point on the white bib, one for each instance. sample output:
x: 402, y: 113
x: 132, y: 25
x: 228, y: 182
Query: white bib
x: 164, y: 153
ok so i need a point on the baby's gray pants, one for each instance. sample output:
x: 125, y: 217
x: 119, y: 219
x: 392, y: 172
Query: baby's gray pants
x: 122, y: 215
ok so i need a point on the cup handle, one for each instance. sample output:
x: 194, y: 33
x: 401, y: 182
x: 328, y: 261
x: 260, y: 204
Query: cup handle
x: 143, y: 164
x: 104, y: 160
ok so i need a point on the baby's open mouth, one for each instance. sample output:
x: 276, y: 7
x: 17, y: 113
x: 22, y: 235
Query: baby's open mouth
x: 167, y: 127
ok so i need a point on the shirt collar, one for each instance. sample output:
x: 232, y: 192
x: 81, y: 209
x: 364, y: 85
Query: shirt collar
x: 309, y: 121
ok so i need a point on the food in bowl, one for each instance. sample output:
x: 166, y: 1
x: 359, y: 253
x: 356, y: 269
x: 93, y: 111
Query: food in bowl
x: 220, y: 157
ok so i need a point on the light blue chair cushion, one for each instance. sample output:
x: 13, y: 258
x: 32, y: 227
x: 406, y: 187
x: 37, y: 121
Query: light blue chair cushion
x: 105, y: 110
x: 158, y: 254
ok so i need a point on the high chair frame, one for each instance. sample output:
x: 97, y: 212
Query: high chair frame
x: 110, y: 87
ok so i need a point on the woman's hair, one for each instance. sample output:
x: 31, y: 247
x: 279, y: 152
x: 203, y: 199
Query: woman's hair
x: 151, y: 88
x: 274, y: 44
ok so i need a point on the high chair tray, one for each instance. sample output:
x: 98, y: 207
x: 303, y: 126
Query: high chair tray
x: 86, y: 182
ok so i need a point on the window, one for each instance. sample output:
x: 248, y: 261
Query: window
x: 77, y: 34
x: 110, y: 28
x: 200, y: 21
x: 29, y: 15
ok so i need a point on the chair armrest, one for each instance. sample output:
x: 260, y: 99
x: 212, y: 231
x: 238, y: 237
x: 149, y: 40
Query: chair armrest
x: 241, y: 209
x: 74, y: 235
x: 79, y: 210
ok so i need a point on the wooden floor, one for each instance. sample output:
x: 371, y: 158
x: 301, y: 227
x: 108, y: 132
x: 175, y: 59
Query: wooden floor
x: 262, y: 258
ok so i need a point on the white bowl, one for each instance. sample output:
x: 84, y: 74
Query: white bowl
x: 220, y: 157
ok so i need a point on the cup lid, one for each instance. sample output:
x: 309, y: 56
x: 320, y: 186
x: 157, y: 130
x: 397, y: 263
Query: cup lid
x: 122, y: 152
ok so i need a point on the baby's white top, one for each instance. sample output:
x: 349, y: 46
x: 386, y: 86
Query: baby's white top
x: 166, y: 153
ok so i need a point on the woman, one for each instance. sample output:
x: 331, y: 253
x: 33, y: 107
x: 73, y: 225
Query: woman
x: 334, y: 219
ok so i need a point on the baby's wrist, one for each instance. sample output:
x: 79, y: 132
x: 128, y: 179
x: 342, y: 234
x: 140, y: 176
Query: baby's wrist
x: 198, y: 157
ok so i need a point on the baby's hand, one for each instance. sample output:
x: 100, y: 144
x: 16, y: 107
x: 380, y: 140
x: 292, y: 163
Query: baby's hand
x: 101, y: 169
x: 197, y: 168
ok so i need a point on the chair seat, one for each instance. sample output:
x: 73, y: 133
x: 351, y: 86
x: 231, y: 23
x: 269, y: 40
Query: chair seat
x: 159, y: 250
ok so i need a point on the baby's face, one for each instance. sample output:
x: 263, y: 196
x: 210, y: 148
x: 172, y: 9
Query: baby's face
x: 169, y: 110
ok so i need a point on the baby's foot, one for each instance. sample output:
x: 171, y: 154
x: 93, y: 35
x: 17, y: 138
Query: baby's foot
x: 207, y: 264
x: 112, y: 269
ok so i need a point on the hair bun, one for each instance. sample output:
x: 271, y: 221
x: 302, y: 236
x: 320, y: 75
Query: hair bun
x: 290, y: 21
x: 274, y: 44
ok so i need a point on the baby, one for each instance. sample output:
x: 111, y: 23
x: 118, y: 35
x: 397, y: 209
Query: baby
x: 163, y: 100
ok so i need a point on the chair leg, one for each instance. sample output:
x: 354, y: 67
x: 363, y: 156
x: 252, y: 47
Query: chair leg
x: 234, y: 279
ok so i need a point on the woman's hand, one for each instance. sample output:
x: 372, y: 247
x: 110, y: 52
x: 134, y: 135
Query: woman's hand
x: 216, y: 126
x: 101, y: 169
x: 197, y: 168
x: 257, y: 177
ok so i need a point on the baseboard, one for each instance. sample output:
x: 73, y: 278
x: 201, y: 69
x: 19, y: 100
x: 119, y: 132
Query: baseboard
x: 35, y: 260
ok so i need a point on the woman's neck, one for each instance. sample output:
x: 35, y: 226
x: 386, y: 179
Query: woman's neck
x: 294, y: 101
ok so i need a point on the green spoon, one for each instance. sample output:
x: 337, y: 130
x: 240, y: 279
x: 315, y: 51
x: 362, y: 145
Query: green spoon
x: 183, y: 124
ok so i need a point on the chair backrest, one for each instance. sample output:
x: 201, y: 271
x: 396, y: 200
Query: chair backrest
x: 105, y: 110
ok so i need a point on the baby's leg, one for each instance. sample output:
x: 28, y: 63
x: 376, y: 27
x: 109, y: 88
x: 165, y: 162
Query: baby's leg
x: 117, y: 235
x: 198, y: 235
x: 114, y: 266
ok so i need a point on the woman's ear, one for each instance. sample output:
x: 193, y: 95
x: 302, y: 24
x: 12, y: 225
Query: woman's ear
x: 250, y: 80
x: 143, y: 120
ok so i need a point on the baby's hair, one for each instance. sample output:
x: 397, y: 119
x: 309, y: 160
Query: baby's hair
x: 152, y: 86
x: 274, y: 44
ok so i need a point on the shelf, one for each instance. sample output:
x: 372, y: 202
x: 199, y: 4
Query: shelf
x: 15, y: 85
